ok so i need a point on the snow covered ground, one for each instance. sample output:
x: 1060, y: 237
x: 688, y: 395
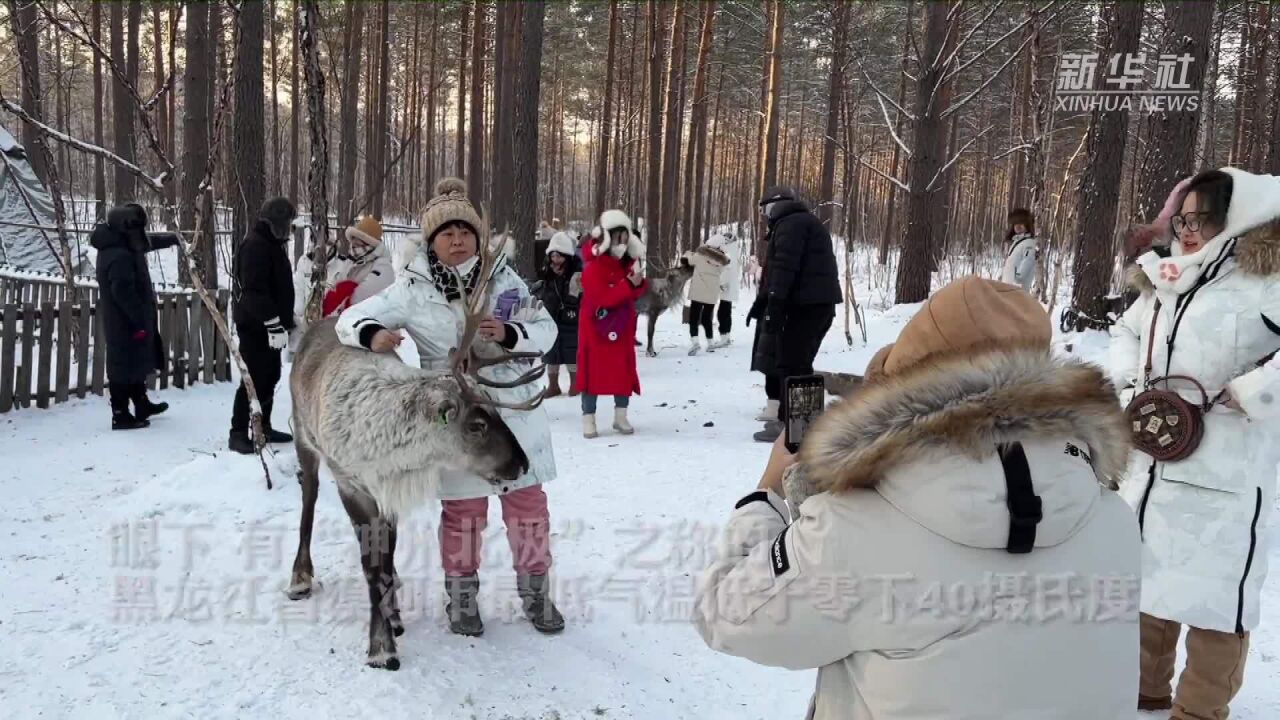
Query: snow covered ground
x: 141, y: 574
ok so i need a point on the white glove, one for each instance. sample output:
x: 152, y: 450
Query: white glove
x: 527, y: 311
x: 277, y: 336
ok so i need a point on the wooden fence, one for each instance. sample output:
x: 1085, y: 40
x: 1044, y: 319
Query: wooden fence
x: 52, y: 345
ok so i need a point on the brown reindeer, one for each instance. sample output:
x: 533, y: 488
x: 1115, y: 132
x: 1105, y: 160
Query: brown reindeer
x: 386, y: 431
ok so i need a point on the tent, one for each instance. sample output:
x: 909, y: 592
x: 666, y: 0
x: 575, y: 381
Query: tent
x: 25, y: 207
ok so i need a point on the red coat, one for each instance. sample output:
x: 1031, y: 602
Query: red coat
x: 607, y: 367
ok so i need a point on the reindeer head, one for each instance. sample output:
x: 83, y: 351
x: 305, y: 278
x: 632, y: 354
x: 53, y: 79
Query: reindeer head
x: 478, y: 440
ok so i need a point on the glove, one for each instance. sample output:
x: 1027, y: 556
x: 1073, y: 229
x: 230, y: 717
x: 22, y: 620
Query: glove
x: 277, y: 336
x: 757, y: 310
x: 139, y: 335
x: 773, y: 318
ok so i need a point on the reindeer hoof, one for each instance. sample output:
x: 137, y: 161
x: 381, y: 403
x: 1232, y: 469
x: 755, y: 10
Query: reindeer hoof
x: 384, y: 661
x: 651, y: 353
x: 299, y: 591
x: 397, y: 626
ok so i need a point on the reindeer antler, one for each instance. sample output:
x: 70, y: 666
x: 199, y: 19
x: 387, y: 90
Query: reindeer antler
x: 466, y: 364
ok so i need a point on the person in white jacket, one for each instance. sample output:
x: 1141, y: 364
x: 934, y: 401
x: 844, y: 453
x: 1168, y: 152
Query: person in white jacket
x: 952, y: 548
x: 730, y: 285
x: 425, y: 301
x: 1022, y: 246
x: 1209, y: 310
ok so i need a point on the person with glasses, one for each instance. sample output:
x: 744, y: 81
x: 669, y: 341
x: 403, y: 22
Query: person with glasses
x: 1209, y: 310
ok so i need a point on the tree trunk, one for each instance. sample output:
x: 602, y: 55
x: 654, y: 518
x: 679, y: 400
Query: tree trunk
x: 702, y: 201
x: 349, y: 109
x: 99, y: 101
x: 475, y: 160
x: 248, y: 136
x: 835, y: 100
x: 460, y: 134
x: 769, y: 148
x: 696, y: 162
x: 1259, y: 123
x: 121, y: 109
x: 653, y: 200
x: 430, y: 170
x: 1100, y: 184
x: 24, y: 18
x: 318, y: 174
x: 276, y: 154
x: 928, y: 150
x: 887, y: 234
x: 606, y: 126
x: 525, y: 125
x: 377, y: 160
x: 508, y: 59
x: 1273, y: 162
x: 669, y: 203
x: 196, y: 203
x: 1171, y: 135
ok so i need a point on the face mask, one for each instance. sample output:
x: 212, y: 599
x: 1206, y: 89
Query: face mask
x: 467, y: 265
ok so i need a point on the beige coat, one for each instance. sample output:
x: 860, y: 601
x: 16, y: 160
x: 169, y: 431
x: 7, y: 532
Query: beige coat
x: 894, y: 582
x: 708, y: 262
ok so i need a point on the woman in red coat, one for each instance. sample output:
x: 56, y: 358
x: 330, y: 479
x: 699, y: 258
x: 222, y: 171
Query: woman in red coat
x: 611, y: 284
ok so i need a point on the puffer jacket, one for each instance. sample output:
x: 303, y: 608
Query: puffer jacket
x: 1020, y: 265
x: 731, y: 275
x: 414, y: 303
x: 128, y: 301
x: 707, y: 262
x: 262, y: 281
x: 801, y: 261
x: 1205, y: 520
x: 894, y: 580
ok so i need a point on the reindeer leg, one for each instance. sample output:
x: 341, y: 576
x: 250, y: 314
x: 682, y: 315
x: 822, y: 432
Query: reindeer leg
x: 374, y: 533
x: 309, y: 477
x: 397, y: 625
x: 653, y: 324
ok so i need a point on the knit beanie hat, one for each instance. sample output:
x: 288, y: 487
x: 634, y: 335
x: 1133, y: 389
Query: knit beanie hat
x: 450, y: 205
x: 561, y: 243
x: 279, y: 213
x: 367, y: 229
x: 968, y: 313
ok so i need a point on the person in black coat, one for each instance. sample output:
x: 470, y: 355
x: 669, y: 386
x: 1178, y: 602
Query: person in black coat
x: 127, y: 303
x: 263, y: 286
x: 797, y: 297
x: 559, y: 287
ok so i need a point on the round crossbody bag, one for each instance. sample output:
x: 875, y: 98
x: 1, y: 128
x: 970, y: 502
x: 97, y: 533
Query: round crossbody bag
x: 1162, y: 423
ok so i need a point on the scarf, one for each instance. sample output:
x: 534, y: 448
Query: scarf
x: 452, y: 281
x: 1179, y: 273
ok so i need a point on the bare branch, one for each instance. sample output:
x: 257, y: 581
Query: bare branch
x: 982, y: 53
x: 881, y: 94
x: 156, y: 183
x: 957, y: 106
x: 892, y: 132
x: 943, y: 170
x: 901, y: 185
x: 955, y: 52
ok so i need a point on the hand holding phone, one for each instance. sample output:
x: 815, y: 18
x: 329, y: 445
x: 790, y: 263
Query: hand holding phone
x: 804, y: 398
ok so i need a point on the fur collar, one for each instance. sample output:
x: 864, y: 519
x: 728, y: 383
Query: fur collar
x: 713, y: 253
x: 967, y: 403
x: 1257, y: 254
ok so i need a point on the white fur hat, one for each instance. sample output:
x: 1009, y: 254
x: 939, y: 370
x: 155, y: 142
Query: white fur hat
x: 612, y: 220
x: 561, y: 242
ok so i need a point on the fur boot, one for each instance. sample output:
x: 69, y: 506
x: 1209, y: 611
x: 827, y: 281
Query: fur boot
x: 620, y: 421
x: 573, y: 384
x: 463, y: 610
x: 537, y: 605
x: 770, y: 411
x: 553, y: 384
x: 695, y: 346
x: 589, y: 427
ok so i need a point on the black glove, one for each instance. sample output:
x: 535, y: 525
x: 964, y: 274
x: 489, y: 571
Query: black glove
x: 774, y: 315
x: 757, y: 310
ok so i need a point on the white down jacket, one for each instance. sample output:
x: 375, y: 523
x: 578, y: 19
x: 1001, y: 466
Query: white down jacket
x: 1020, y: 265
x: 415, y: 304
x: 731, y: 275
x: 1205, y: 520
x: 895, y: 581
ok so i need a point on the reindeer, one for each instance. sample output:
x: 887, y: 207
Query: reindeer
x: 386, y: 431
x: 663, y: 293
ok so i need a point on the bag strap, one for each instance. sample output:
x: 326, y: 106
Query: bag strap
x: 1151, y: 344
x: 1025, y: 511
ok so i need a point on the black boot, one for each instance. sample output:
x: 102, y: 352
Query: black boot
x: 142, y: 406
x: 537, y: 604
x: 239, y: 441
x: 276, y: 436
x: 121, y: 418
x: 463, y: 609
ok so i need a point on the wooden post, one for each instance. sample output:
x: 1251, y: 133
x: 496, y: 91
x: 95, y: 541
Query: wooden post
x: 83, y: 339
x: 222, y: 355
x: 65, y: 329
x: 206, y: 345
x: 44, y: 365
x: 99, y: 351
x: 196, y: 311
x: 163, y: 317
x: 179, y: 342
x: 8, y: 347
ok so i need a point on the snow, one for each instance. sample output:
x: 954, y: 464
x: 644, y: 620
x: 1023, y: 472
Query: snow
x: 93, y: 519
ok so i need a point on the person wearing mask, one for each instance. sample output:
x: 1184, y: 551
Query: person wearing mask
x: 947, y: 544
x: 797, y: 300
x: 708, y: 263
x: 127, y: 303
x: 730, y: 286
x: 262, y: 284
x: 1208, y: 315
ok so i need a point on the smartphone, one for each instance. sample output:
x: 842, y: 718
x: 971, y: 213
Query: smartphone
x: 804, y: 397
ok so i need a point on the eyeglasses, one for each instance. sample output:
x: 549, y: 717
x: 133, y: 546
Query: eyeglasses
x: 1192, y: 221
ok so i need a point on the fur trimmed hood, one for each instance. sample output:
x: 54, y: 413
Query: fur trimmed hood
x: 966, y: 403
x: 1257, y: 254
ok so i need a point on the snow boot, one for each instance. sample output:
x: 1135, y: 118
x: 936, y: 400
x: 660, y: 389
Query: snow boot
x: 695, y: 347
x: 620, y: 422
x: 553, y: 384
x: 770, y: 411
x: 123, y: 420
x: 537, y: 604
x: 589, y: 427
x: 143, y: 408
x: 1147, y: 704
x: 239, y: 441
x: 770, y: 433
x: 722, y: 341
x: 463, y: 610
x: 276, y: 437
x: 573, y: 385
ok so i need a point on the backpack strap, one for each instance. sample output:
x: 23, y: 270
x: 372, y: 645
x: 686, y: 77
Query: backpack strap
x: 1025, y: 511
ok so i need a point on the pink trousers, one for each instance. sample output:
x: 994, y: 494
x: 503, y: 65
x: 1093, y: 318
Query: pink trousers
x: 524, y: 511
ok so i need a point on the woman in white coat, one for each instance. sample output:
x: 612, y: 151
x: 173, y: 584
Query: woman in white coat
x: 704, y: 292
x: 730, y: 284
x: 425, y: 300
x: 1022, y: 245
x: 1210, y: 310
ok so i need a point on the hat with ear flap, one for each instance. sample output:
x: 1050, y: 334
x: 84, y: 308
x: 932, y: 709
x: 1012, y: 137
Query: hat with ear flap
x: 611, y: 220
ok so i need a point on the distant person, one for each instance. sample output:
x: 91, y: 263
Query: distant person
x: 127, y: 303
x: 560, y: 290
x: 708, y: 262
x: 730, y: 285
x: 797, y: 300
x: 263, y: 286
x: 364, y: 272
x: 1021, y: 246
